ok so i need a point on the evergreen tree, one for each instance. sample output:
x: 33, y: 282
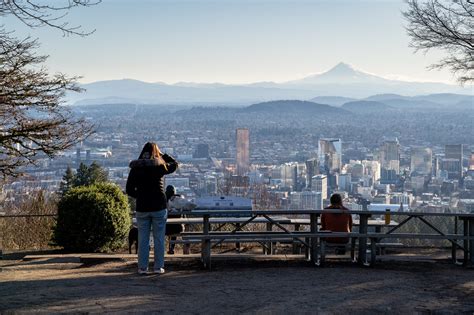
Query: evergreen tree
x: 67, y: 182
x: 82, y: 175
x: 97, y: 174
x: 90, y: 175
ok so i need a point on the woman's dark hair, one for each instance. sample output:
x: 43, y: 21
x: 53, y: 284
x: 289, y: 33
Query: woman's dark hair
x: 153, y: 151
x: 170, y: 191
x: 336, y: 199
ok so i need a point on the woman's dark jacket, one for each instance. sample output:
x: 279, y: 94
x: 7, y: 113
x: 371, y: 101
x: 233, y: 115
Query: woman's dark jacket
x: 145, y: 182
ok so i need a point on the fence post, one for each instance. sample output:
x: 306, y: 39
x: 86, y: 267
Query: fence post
x: 363, y: 221
x: 471, y: 242
x: 466, y: 241
x: 269, y: 248
x: 206, y: 244
x: 314, y: 239
x: 455, y: 241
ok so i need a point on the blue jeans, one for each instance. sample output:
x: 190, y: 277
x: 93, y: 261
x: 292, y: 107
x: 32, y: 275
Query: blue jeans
x: 146, y: 220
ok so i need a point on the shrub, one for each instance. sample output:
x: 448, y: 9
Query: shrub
x: 28, y: 233
x: 92, y: 218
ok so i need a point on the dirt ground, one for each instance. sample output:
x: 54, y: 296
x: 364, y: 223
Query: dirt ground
x: 284, y: 286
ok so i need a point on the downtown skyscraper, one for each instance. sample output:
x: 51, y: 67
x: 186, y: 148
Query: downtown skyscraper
x: 452, y: 162
x: 330, y: 154
x: 242, y: 151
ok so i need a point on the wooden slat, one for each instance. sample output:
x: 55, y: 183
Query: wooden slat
x: 270, y: 236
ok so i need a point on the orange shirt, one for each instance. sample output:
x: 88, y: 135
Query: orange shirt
x: 336, y: 222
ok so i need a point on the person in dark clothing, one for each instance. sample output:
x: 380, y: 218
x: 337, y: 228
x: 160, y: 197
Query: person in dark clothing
x: 337, y: 222
x: 145, y: 183
x: 172, y: 229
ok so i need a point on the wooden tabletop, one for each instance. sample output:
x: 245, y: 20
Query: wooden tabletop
x: 281, y: 220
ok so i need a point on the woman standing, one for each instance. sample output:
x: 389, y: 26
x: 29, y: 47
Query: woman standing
x: 145, y: 184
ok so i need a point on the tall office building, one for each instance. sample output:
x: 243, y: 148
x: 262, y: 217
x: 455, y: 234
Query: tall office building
x: 345, y: 181
x: 243, y: 151
x: 390, y: 155
x: 436, y: 165
x: 312, y: 169
x: 320, y: 184
x: 453, y: 153
x: 471, y: 162
x: 330, y: 154
x: 421, y: 160
x: 452, y: 167
x: 289, y: 175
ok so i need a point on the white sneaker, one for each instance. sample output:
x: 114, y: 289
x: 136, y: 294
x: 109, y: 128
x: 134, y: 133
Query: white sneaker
x: 159, y: 271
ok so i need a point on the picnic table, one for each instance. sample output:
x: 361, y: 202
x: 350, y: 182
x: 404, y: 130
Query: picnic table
x: 312, y: 239
x: 284, y: 234
x: 268, y: 248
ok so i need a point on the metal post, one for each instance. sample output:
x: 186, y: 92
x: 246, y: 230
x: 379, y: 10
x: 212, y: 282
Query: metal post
x: 206, y: 244
x: 269, y: 249
x: 455, y: 242
x: 237, y: 245
x: 373, y: 248
x: 466, y: 242
x: 378, y: 229
x: 314, y: 240
x: 363, y: 221
x: 186, y: 246
x: 471, y: 241
x: 353, y: 245
x: 295, y: 243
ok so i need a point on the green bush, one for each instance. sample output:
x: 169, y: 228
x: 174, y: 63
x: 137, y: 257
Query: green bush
x: 92, y: 218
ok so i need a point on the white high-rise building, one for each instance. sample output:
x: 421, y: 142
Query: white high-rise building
x: 372, y: 169
x: 320, y: 184
x: 306, y: 200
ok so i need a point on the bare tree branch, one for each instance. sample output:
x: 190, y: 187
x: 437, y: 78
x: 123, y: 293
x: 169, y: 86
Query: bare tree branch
x: 445, y: 25
x: 33, y: 120
x: 34, y: 13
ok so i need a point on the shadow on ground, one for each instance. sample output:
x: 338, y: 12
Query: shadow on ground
x: 237, y: 286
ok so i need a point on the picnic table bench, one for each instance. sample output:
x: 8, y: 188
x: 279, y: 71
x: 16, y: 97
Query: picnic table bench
x: 314, y: 239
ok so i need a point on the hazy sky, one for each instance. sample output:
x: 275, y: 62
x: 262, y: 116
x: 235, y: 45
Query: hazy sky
x: 234, y: 41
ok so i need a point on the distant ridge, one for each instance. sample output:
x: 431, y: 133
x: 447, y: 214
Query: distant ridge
x: 294, y: 106
x: 430, y: 101
x: 365, y: 106
x: 332, y: 100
